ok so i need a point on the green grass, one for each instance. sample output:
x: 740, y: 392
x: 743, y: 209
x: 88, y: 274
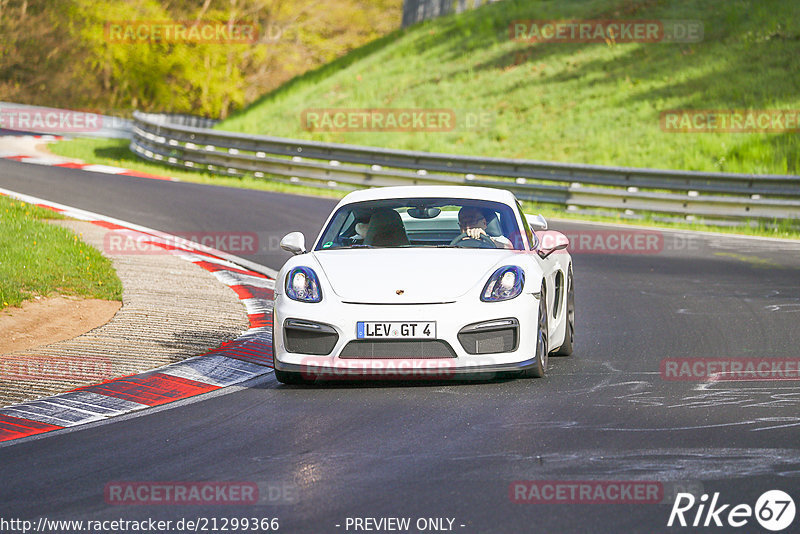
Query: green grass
x: 40, y: 259
x: 579, y: 102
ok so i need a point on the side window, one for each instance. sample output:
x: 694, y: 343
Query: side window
x: 332, y: 235
x: 532, y: 239
x: 348, y: 224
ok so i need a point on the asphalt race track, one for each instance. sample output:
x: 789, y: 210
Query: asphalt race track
x: 445, y: 450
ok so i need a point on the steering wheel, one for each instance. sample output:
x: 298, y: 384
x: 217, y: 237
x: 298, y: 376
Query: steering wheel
x: 484, y: 242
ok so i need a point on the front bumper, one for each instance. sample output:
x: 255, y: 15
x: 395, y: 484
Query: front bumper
x: 450, y: 318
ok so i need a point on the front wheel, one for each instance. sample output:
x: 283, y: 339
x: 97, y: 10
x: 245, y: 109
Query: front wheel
x: 542, y: 348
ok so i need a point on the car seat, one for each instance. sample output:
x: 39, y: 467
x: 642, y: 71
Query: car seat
x: 386, y: 230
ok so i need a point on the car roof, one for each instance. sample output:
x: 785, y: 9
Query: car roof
x: 433, y: 191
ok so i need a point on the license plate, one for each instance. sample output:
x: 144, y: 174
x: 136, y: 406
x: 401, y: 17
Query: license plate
x: 395, y: 330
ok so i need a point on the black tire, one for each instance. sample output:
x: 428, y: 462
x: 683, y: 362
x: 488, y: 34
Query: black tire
x: 569, y: 337
x: 289, y: 378
x: 539, y: 369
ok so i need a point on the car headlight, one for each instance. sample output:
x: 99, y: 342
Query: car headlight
x: 504, y: 284
x: 302, y: 284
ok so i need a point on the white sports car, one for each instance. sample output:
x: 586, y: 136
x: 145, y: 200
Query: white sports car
x: 424, y: 282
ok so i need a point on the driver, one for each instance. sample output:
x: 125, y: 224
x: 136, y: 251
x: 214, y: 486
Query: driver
x: 473, y: 223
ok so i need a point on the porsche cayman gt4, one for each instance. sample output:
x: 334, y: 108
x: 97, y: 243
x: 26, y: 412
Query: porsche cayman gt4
x: 423, y: 282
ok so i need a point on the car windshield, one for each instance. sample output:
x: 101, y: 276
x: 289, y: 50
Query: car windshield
x: 423, y: 222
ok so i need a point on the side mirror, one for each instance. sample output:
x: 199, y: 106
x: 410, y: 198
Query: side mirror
x: 550, y: 242
x: 294, y: 242
x: 537, y: 222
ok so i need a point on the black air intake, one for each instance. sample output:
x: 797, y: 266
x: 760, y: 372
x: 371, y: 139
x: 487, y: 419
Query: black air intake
x: 307, y: 337
x: 490, y: 337
x: 427, y: 348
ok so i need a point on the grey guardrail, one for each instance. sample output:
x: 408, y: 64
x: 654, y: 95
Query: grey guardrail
x: 189, y: 142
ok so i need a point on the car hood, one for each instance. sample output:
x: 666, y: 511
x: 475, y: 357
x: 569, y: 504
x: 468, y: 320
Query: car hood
x: 421, y: 275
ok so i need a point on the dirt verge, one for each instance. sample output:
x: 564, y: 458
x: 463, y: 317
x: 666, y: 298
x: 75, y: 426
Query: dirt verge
x: 48, y: 320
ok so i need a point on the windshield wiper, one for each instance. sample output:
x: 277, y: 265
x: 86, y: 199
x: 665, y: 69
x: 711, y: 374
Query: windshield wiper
x: 345, y: 247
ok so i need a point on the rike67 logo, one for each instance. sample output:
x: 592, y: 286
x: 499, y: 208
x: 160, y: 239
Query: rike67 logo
x: 774, y: 510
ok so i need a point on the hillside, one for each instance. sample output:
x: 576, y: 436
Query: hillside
x: 61, y: 53
x: 594, y: 103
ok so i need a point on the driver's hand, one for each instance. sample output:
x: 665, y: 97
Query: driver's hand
x: 475, y: 233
